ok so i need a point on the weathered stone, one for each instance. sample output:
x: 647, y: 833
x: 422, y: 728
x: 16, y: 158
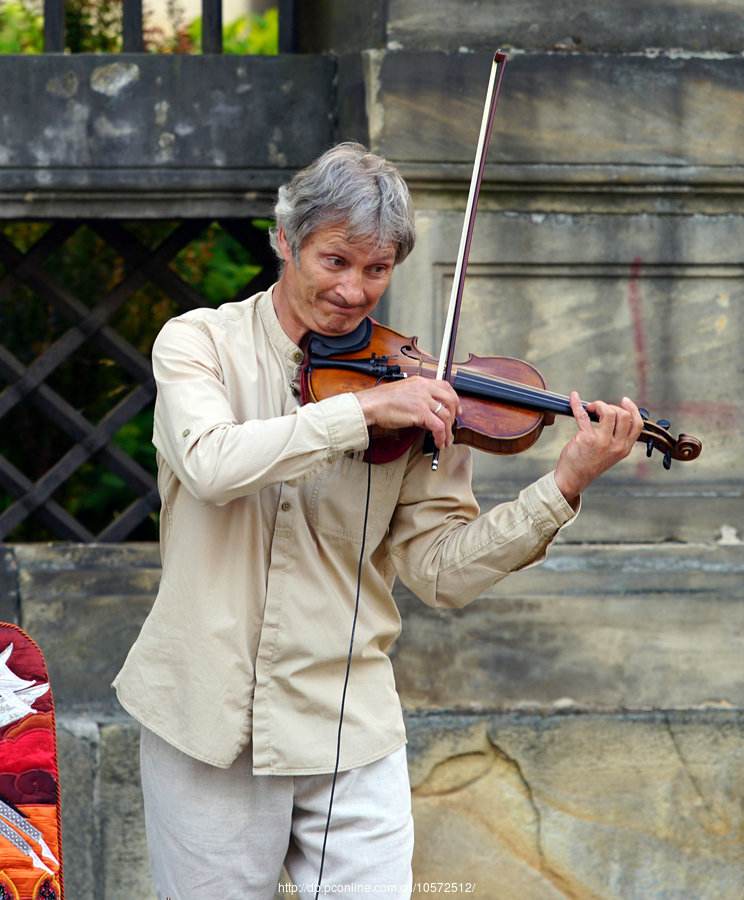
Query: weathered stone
x: 593, y: 806
x: 560, y: 109
x: 571, y: 25
x: 165, y: 135
x: 649, y: 307
x: 177, y: 112
x: 610, y: 627
x: 9, y: 600
x: 649, y: 512
x: 77, y: 750
x: 574, y: 25
x: 123, y: 842
x: 84, y: 605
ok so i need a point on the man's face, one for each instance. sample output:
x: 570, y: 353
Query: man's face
x: 335, y: 285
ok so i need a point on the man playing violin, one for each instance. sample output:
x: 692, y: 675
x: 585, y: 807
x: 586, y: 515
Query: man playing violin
x: 272, y: 525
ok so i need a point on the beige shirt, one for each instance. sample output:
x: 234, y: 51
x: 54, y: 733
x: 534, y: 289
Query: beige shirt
x: 260, y: 533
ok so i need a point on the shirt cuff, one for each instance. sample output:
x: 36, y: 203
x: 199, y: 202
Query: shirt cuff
x: 546, y: 505
x: 344, y: 419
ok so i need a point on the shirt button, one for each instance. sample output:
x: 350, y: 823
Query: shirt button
x: 286, y: 506
x: 186, y: 432
x: 298, y: 356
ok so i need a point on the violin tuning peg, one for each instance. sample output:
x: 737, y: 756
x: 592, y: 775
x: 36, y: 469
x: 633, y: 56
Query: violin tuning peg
x: 649, y: 447
x: 668, y: 459
x: 664, y: 423
x: 644, y: 412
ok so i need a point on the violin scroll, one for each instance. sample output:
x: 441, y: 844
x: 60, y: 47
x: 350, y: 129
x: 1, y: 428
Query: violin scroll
x: 655, y: 435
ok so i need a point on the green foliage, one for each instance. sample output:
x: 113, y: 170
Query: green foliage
x: 256, y: 34
x: 21, y: 28
x: 215, y: 264
x: 94, y: 26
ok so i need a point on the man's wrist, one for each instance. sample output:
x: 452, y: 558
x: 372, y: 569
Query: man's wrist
x: 571, y: 493
x: 367, y: 403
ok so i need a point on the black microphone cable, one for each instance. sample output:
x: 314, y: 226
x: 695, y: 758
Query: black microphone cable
x: 346, y: 678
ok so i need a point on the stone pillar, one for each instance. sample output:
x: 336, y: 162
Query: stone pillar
x: 564, y: 728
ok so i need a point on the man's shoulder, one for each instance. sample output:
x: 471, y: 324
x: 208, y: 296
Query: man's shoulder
x: 223, y: 317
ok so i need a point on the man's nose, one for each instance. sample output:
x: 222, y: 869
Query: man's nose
x: 351, y: 287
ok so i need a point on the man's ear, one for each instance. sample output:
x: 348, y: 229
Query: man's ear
x: 283, y: 244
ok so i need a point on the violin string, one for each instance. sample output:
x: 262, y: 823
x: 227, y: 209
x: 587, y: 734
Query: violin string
x: 512, y: 391
x: 486, y: 380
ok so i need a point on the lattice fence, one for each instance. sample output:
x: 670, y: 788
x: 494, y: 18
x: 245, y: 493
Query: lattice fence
x: 75, y: 338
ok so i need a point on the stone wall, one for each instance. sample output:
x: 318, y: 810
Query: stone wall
x: 578, y: 731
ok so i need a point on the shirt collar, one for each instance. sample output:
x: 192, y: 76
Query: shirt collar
x: 277, y: 335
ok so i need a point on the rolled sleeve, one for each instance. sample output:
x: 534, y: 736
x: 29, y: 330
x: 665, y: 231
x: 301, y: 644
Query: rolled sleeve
x: 448, y: 553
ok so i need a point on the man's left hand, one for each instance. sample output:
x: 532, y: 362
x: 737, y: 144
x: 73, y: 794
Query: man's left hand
x: 596, y: 447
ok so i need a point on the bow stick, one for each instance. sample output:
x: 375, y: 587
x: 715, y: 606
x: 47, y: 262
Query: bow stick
x: 446, y: 354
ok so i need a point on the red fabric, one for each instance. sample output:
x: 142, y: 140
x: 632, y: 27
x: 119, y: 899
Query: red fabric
x: 29, y: 778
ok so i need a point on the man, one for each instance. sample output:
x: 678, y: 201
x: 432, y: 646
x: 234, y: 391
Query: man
x: 238, y: 673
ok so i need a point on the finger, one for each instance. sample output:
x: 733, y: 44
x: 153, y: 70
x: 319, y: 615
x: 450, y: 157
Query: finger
x: 623, y: 424
x: 580, y: 413
x: 607, y: 416
x: 438, y: 430
x: 637, y: 419
x: 447, y: 406
x: 444, y: 393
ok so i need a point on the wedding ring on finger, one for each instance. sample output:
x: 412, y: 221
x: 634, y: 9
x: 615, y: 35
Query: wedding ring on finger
x: 438, y: 407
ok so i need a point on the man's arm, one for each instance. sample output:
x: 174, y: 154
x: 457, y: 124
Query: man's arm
x: 219, y: 458
x: 448, y: 554
x: 446, y: 551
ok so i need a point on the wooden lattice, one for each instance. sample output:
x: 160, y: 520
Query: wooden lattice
x: 26, y: 383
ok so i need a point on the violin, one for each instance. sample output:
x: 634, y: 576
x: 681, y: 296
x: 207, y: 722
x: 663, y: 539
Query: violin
x: 505, y: 402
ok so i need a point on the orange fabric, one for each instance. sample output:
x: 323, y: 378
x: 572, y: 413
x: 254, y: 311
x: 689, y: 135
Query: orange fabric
x: 18, y: 867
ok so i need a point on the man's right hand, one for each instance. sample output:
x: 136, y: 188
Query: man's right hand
x: 423, y: 402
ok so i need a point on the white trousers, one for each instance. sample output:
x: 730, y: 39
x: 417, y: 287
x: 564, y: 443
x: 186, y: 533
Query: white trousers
x: 224, y: 834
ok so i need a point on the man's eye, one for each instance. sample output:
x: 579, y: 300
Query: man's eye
x: 335, y: 260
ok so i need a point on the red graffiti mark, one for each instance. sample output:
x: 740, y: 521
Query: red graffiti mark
x: 639, y: 345
x: 725, y: 416
x: 639, y: 335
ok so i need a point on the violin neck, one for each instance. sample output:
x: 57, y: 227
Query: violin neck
x: 510, y: 392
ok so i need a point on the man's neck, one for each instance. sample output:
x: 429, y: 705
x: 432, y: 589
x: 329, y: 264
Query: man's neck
x: 294, y: 329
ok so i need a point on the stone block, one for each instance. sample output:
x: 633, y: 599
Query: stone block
x: 567, y: 110
x: 123, y: 842
x: 467, y: 25
x: 77, y: 751
x: 9, y: 601
x: 573, y: 25
x: 622, y: 807
x: 610, y: 628
x: 84, y: 606
x: 164, y: 135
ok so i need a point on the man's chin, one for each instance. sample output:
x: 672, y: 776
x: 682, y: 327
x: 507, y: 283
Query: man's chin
x: 335, y: 328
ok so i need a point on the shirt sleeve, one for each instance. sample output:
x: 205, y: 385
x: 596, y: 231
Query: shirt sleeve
x: 216, y: 457
x: 446, y: 552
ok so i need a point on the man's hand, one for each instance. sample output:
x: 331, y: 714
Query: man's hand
x: 419, y: 401
x: 596, y: 448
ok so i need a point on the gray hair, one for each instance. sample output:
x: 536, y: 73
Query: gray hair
x: 348, y: 185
